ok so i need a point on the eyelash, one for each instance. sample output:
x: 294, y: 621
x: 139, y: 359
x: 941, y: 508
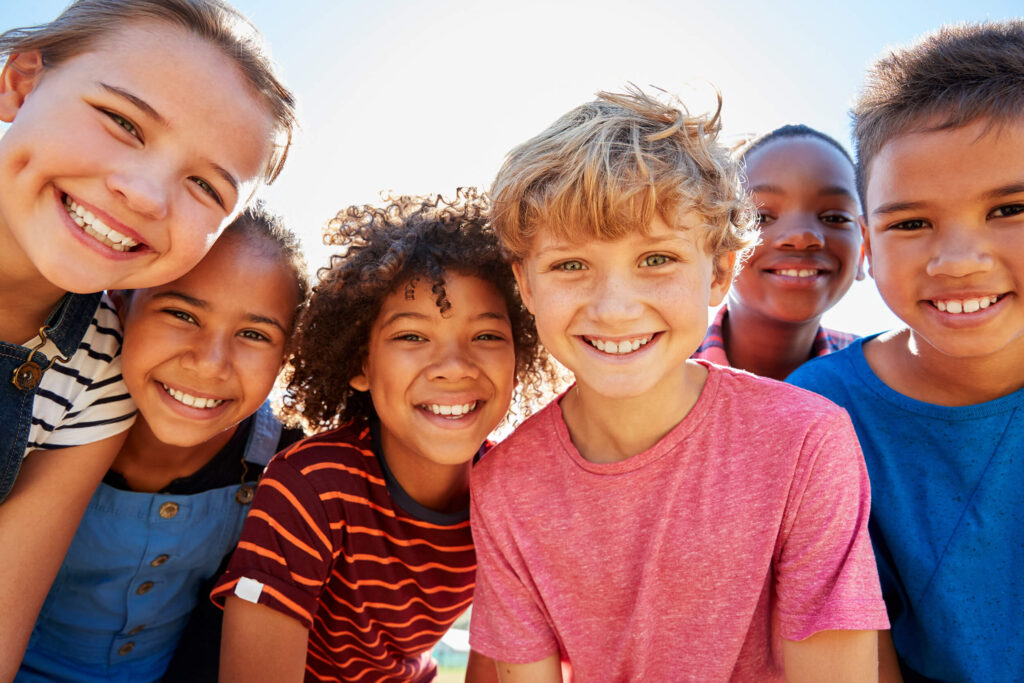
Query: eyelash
x: 909, y: 226
x: 564, y: 266
x: 1014, y: 210
x: 124, y: 123
x: 254, y: 335
x: 208, y: 189
x: 666, y: 259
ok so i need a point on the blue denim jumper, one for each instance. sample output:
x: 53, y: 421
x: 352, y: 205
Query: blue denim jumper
x: 20, y: 371
x: 131, y: 578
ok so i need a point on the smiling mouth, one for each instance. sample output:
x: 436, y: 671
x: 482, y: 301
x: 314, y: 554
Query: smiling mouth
x: 957, y: 306
x: 190, y: 400
x: 96, y: 228
x: 451, y: 412
x: 798, y: 272
x: 618, y: 348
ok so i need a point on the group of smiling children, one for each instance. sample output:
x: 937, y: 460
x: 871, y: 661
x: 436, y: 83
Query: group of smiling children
x: 673, y: 515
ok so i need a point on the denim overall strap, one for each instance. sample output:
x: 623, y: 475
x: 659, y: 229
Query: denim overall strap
x: 67, y: 325
x: 263, y: 437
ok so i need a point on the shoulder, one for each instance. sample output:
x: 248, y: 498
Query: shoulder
x: 761, y: 397
x: 525, y: 448
x: 326, y: 459
x: 824, y: 372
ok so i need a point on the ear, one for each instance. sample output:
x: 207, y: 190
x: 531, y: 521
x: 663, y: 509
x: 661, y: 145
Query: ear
x: 20, y: 75
x: 725, y: 265
x: 523, y: 282
x: 865, y: 248
x: 360, y: 382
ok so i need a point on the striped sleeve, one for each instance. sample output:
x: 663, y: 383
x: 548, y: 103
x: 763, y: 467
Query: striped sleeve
x: 84, y: 400
x: 286, y: 545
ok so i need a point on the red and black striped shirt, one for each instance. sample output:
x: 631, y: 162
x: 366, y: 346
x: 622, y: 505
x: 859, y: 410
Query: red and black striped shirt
x: 338, y: 545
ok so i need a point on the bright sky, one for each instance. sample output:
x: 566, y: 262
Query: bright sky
x: 424, y: 97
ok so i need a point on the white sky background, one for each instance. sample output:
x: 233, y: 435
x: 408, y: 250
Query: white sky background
x: 424, y: 97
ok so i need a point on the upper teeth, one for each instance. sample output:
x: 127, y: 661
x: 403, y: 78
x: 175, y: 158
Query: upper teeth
x: 794, y: 272
x: 619, y: 347
x: 965, y: 305
x: 449, y: 410
x: 97, y: 228
x: 190, y: 400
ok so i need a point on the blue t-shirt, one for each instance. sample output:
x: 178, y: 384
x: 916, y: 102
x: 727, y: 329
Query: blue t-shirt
x: 947, y: 519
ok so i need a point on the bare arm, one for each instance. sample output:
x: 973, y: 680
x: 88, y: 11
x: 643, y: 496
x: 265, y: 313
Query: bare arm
x: 888, y: 662
x: 832, y: 657
x: 37, y: 522
x: 481, y: 669
x: 261, y: 644
x: 548, y: 670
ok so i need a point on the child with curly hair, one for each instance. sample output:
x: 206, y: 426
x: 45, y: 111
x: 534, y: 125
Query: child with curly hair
x: 357, y: 554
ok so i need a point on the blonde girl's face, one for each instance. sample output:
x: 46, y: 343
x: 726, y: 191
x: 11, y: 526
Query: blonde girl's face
x: 123, y: 163
x: 201, y: 353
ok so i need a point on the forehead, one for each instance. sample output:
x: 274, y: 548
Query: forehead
x: 468, y: 296
x: 688, y: 229
x: 947, y: 167
x: 799, y: 159
x: 202, y: 94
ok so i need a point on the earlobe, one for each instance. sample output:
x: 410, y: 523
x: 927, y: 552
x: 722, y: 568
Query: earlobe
x: 19, y: 76
x: 360, y: 382
x: 523, y: 282
x: 725, y: 270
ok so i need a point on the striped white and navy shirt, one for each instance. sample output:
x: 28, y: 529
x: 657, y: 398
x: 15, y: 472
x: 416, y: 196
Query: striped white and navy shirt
x: 85, y: 399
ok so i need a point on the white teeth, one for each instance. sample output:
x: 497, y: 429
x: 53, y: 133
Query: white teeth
x: 793, y: 272
x: 190, y: 400
x: 96, y: 228
x: 618, y: 348
x: 965, y: 305
x: 451, y: 411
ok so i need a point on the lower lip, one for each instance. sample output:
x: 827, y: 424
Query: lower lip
x: 87, y: 240
x: 622, y: 357
x: 966, y: 320
x: 190, y: 412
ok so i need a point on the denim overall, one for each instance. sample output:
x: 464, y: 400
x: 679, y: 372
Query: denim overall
x: 130, y: 580
x: 20, y: 372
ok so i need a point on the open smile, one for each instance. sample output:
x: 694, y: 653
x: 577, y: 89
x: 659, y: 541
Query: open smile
x: 961, y: 306
x: 200, y: 402
x: 455, y: 411
x: 618, y: 347
x: 97, y: 229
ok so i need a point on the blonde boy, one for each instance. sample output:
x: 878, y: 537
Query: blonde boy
x: 664, y: 519
x: 939, y: 404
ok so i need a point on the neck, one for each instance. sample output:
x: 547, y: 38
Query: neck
x: 148, y: 464
x: 912, y: 367
x: 612, y: 430
x: 436, y: 486
x: 28, y: 296
x: 764, y: 346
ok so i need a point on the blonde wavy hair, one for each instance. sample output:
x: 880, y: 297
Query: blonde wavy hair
x: 606, y: 168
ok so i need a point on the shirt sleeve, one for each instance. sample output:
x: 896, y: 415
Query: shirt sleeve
x: 825, y: 568
x: 285, y: 554
x: 509, y: 623
x: 84, y: 400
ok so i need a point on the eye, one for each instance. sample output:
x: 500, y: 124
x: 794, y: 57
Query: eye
x: 124, y: 123
x: 765, y: 218
x: 254, y: 335
x: 571, y: 265
x: 655, y: 260
x: 181, y: 315
x: 837, y: 219
x: 1007, y: 211
x: 409, y: 337
x: 489, y: 336
x: 208, y: 189
x: 909, y: 226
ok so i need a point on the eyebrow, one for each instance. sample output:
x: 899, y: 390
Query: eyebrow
x: 896, y: 207
x: 145, y: 107
x: 1012, y: 188
x: 205, y: 305
x: 137, y: 101
x: 830, y: 191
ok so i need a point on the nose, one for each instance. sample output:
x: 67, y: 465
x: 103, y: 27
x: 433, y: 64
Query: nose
x: 453, y: 362
x: 142, y: 188
x: 615, y: 299
x: 800, y: 232
x: 959, y: 253
x: 209, y: 356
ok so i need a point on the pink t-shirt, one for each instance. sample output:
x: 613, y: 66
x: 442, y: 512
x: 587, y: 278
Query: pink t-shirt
x: 745, y: 524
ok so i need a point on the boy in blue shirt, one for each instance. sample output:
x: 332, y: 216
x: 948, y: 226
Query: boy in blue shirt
x: 939, y: 405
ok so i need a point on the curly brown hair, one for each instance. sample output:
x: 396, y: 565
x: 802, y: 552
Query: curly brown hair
x: 409, y: 238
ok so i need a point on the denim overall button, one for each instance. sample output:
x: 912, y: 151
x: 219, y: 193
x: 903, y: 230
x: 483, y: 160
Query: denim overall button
x: 168, y: 510
x: 159, y: 560
x: 125, y: 649
x: 137, y: 630
x: 26, y: 376
x: 144, y: 588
